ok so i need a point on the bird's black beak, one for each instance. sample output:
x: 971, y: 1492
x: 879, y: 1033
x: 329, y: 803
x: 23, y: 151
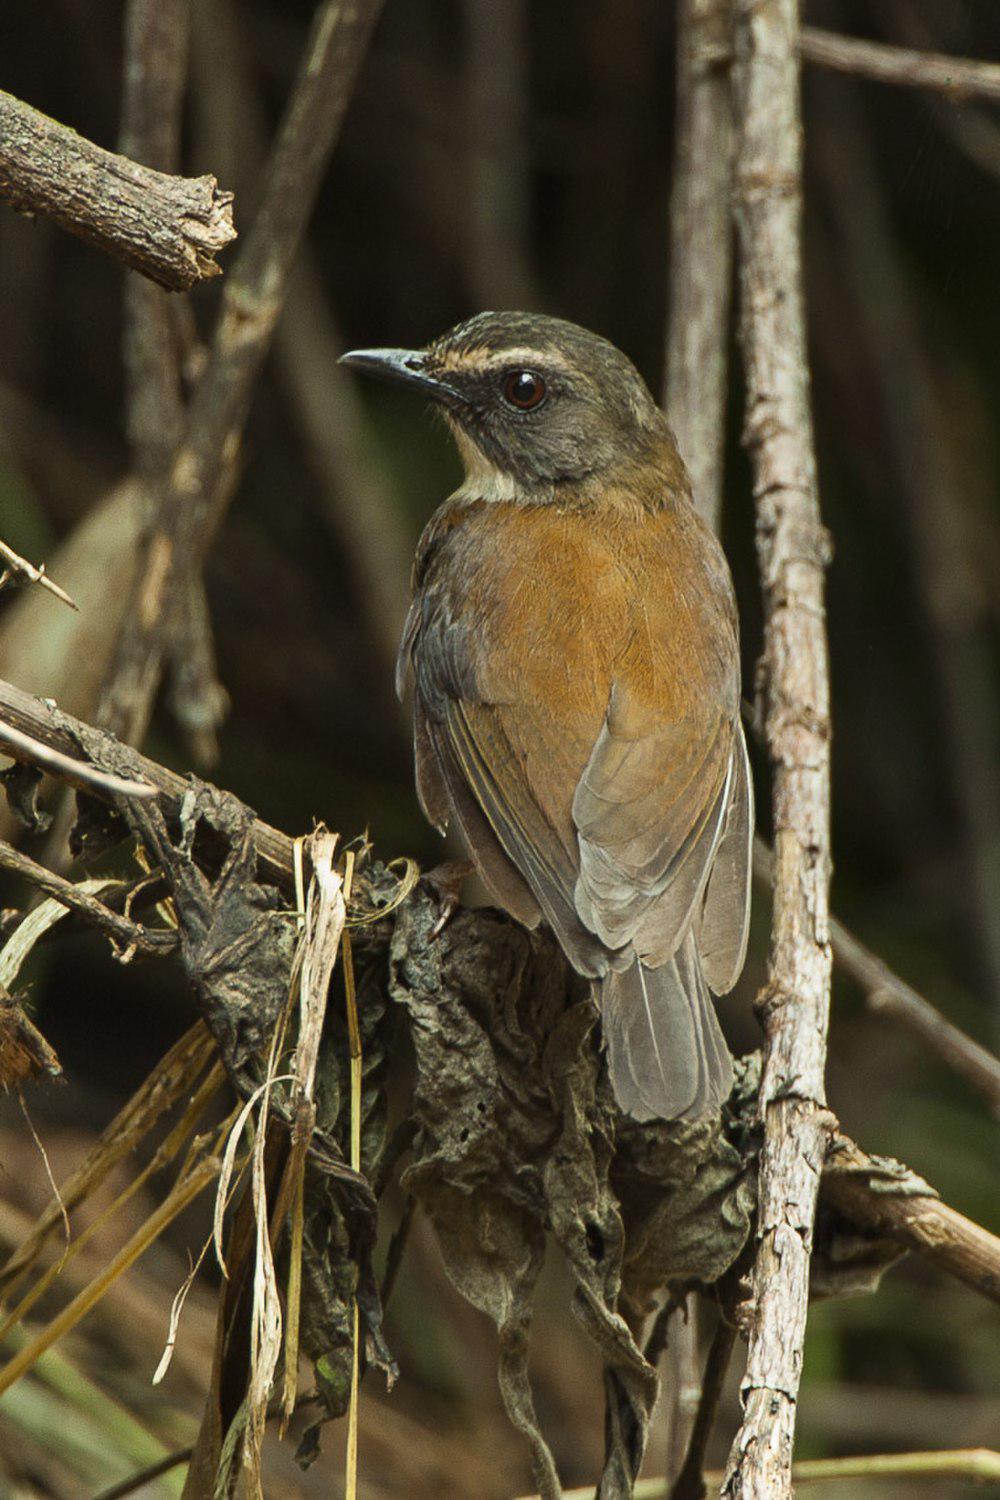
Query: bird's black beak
x: 403, y: 367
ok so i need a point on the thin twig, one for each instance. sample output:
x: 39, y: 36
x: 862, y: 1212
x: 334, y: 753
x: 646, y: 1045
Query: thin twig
x: 888, y: 995
x: 792, y: 549
x: 964, y: 1056
x: 956, y: 1463
x: 130, y: 934
x: 168, y: 228
x: 15, y: 563
x: 961, y: 77
x: 77, y: 772
x: 701, y: 252
x: 972, y: 128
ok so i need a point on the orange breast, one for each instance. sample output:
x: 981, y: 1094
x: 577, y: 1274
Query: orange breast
x: 566, y: 603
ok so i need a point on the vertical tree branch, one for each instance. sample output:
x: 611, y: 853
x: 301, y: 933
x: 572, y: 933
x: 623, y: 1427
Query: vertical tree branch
x: 792, y: 549
x: 203, y: 463
x: 695, y: 401
x: 701, y: 247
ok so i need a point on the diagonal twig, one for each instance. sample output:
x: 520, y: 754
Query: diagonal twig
x: 202, y: 471
x: 961, y: 77
x: 24, y: 747
x: 16, y: 564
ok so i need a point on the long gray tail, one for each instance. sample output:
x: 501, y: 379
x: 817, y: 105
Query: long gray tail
x: 667, y: 1056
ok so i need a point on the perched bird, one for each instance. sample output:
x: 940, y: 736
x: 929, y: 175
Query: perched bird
x: 574, y: 647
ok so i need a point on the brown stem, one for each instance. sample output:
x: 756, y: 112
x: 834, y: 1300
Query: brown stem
x: 792, y: 550
x: 961, y: 77
x: 168, y: 228
x: 690, y: 1482
x: 142, y: 1477
x: 701, y: 247
x: 202, y: 470
x: 695, y: 400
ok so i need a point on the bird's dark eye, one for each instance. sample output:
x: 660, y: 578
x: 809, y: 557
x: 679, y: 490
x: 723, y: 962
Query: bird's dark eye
x: 524, y: 389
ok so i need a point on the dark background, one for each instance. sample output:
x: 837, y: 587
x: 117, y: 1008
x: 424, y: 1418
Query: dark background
x: 507, y: 154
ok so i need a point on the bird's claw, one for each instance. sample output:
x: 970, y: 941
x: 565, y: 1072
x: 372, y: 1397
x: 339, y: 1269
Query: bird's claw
x: 447, y: 880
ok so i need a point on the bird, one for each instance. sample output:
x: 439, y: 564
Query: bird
x: 574, y: 648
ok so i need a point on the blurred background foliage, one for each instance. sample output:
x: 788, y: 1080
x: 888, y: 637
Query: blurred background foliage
x: 505, y: 154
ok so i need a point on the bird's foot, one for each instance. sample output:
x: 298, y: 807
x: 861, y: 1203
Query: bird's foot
x: 447, y: 880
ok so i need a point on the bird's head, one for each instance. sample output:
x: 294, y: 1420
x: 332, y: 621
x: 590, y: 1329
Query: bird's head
x: 534, y: 403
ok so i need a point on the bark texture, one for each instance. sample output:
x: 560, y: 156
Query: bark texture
x: 792, y: 549
x: 168, y: 228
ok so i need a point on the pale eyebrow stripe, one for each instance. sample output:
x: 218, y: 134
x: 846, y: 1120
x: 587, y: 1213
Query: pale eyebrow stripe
x: 496, y: 359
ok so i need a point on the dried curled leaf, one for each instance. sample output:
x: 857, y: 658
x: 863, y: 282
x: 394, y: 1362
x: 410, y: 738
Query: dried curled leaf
x: 518, y: 1136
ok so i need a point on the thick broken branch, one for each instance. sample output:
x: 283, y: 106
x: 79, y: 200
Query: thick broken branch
x: 792, y: 550
x: 168, y: 228
x: 961, y: 77
x: 867, y: 1191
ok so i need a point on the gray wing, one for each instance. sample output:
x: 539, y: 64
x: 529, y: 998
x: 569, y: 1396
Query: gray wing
x: 724, y: 925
